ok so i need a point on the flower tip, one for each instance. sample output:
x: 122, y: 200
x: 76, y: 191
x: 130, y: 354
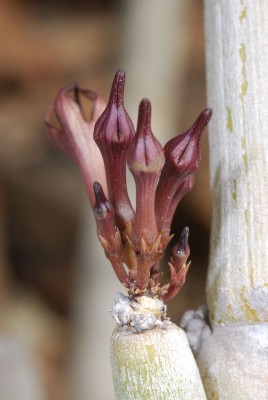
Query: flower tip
x: 120, y: 74
x: 144, y: 117
x: 181, y: 252
x: 201, y: 122
x: 208, y: 111
x: 146, y: 153
x: 97, y: 189
x: 102, y: 206
x: 118, y: 86
x: 99, y: 193
x: 182, y: 249
x: 183, y: 241
x: 145, y: 106
x: 206, y: 114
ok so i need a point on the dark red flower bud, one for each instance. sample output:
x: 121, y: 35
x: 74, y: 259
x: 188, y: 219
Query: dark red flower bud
x: 182, y: 159
x: 178, y: 266
x: 104, y: 214
x: 181, y: 251
x: 113, y: 134
x: 145, y: 161
x: 108, y: 233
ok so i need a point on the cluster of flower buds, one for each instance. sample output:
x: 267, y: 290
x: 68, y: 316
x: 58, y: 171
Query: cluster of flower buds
x: 134, y: 240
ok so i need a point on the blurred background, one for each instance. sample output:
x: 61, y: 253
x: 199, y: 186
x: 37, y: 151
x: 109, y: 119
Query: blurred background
x: 56, y: 287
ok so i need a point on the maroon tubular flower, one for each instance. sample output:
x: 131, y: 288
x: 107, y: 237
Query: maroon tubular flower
x: 113, y: 134
x: 182, y: 159
x: 75, y: 135
x: 178, y: 265
x: 145, y: 161
x: 108, y: 233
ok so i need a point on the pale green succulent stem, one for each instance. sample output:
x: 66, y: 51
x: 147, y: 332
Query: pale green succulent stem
x: 155, y: 364
x: 233, y: 359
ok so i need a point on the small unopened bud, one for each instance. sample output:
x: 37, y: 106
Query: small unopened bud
x: 105, y: 220
x: 113, y: 134
x: 181, y: 250
x: 103, y: 209
x: 178, y: 266
x: 182, y: 159
x: 145, y: 161
x: 109, y: 235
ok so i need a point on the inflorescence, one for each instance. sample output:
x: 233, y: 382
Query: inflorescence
x: 134, y: 240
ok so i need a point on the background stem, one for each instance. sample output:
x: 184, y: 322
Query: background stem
x: 233, y: 359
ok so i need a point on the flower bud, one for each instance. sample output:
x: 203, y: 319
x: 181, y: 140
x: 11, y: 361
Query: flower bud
x: 177, y: 265
x: 104, y: 214
x: 181, y: 251
x: 145, y: 161
x: 75, y: 135
x: 108, y: 233
x: 182, y: 159
x: 113, y: 134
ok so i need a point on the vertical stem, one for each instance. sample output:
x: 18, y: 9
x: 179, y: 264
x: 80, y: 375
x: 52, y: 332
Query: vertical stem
x: 233, y: 360
x: 237, y: 65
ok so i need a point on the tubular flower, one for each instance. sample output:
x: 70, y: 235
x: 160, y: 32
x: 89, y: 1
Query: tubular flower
x: 182, y: 159
x: 75, y: 134
x: 133, y: 241
x: 113, y: 133
x: 145, y: 161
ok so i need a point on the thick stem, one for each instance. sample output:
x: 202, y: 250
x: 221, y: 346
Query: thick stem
x: 237, y: 64
x: 233, y: 359
x: 151, y: 358
x: 155, y: 364
x: 233, y: 363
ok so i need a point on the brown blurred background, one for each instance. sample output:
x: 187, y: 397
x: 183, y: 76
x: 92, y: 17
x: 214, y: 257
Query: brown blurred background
x: 44, y: 46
